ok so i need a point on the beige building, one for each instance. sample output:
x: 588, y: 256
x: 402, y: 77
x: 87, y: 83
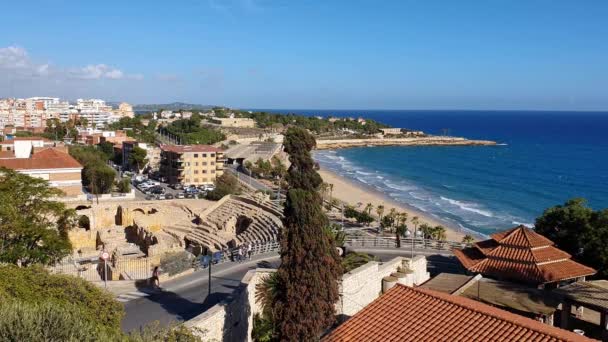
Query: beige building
x: 124, y: 110
x: 53, y: 164
x: 234, y: 122
x: 191, y: 164
x: 388, y: 131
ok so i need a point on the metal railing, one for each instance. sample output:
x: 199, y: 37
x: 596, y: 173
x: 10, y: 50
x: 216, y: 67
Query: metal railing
x: 406, y: 243
x: 232, y: 255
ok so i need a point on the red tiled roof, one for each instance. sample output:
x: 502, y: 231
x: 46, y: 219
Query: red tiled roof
x: 7, y: 154
x: 523, y: 255
x: 189, y: 148
x: 48, y: 158
x: 521, y: 236
x: 408, y: 314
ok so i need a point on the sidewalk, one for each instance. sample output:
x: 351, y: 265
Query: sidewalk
x: 128, y: 287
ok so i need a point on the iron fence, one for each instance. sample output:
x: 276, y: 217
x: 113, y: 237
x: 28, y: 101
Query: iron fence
x: 406, y: 243
x: 203, y: 261
x: 90, y: 269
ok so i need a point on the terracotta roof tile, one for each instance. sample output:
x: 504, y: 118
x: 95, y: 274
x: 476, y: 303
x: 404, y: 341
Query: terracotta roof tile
x: 408, y: 314
x: 48, y: 158
x: 523, y: 255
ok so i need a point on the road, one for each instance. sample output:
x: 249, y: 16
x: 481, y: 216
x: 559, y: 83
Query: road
x: 187, y: 297
x: 254, y: 183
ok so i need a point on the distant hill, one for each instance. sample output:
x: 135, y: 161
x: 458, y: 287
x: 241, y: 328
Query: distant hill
x: 170, y: 106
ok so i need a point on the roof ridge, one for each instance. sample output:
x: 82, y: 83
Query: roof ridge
x: 496, y: 313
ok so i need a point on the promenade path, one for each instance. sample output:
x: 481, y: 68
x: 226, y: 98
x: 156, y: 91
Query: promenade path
x: 187, y: 297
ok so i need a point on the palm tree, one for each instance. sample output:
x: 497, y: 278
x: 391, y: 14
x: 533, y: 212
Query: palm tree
x: 427, y: 231
x: 393, y: 214
x: 468, y: 239
x: 402, y: 218
x: 440, y: 233
x: 368, y: 208
x: 400, y: 231
x: 266, y: 293
x: 380, y: 212
x: 415, y: 222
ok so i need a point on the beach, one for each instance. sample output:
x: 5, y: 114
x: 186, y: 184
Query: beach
x: 352, y: 193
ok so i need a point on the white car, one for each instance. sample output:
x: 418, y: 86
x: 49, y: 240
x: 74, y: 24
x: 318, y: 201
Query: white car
x: 161, y: 197
x: 208, y: 187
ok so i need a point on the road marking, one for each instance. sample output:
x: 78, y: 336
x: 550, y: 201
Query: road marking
x: 125, y: 297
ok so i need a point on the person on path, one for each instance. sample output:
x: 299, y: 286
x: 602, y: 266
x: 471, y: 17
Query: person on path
x: 249, y: 250
x: 239, y: 255
x: 155, y: 277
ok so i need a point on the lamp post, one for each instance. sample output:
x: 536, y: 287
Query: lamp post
x: 210, y: 263
x: 407, y: 234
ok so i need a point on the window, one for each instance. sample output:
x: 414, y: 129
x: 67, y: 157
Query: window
x: 196, y: 155
x: 196, y: 164
x: 204, y: 163
x: 212, y: 171
x: 212, y: 163
x: 195, y: 180
x: 204, y: 171
x: 212, y: 155
x: 204, y: 155
x: 196, y: 172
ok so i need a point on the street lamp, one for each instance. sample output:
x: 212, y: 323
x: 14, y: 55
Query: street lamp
x: 408, y: 235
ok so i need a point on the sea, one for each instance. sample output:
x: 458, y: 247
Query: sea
x: 543, y: 159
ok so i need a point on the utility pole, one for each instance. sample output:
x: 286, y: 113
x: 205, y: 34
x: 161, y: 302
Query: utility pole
x: 210, y: 263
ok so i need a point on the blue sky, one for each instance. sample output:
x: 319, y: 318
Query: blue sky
x: 486, y: 54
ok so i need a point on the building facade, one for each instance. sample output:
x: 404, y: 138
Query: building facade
x: 191, y: 164
x: 234, y: 122
x: 34, y: 158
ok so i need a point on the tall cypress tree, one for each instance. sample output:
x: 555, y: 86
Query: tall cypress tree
x: 310, y: 266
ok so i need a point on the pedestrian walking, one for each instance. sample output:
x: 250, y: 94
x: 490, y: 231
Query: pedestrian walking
x: 155, y: 277
x: 249, y: 250
x: 239, y: 255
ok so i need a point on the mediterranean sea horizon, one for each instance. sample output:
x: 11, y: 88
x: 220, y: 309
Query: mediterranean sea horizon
x: 543, y: 159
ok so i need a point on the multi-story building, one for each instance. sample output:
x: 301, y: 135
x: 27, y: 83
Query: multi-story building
x: 191, y: 164
x: 124, y: 110
x: 37, y: 158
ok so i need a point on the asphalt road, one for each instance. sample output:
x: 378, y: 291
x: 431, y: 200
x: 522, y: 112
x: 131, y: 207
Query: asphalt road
x: 187, y: 297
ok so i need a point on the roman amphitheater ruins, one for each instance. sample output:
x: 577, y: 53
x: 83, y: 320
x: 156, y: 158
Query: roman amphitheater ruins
x: 147, y: 230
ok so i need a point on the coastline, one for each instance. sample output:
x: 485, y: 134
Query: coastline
x: 329, y: 144
x: 348, y: 191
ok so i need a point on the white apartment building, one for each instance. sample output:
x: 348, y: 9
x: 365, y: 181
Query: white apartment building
x: 92, y: 105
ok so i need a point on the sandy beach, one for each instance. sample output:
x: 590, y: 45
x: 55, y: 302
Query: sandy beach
x: 349, y: 192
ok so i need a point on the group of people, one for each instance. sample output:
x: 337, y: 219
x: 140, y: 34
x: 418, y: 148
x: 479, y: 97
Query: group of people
x: 243, y: 252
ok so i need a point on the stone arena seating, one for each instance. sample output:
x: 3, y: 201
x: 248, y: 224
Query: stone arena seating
x: 218, y: 228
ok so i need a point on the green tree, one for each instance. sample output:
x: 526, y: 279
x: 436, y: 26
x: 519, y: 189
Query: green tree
x: 124, y: 186
x: 427, y: 231
x: 578, y: 230
x: 310, y: 266
x: 226, y: 184
x: 415, y: 222
x: 137, y: 158
x: 33, y: 226
x: 99, y: 178
x: 107, y: 148
x: 468, y: 239
x: 380, y: 212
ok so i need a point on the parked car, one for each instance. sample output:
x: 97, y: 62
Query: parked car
x: 208, y: 187
x: 149, y: 197
x: 176, y: 186
x: 180, y: 195
x: 189, y: 195
x: 161, y: 197
x: 191, y: 191
x: 169, y: 196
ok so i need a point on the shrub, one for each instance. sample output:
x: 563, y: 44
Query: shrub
x: 47, y: 321
x: 84, y: 222
x: 124, y: 185
x: 174, y: 263
x: 35, y: 285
